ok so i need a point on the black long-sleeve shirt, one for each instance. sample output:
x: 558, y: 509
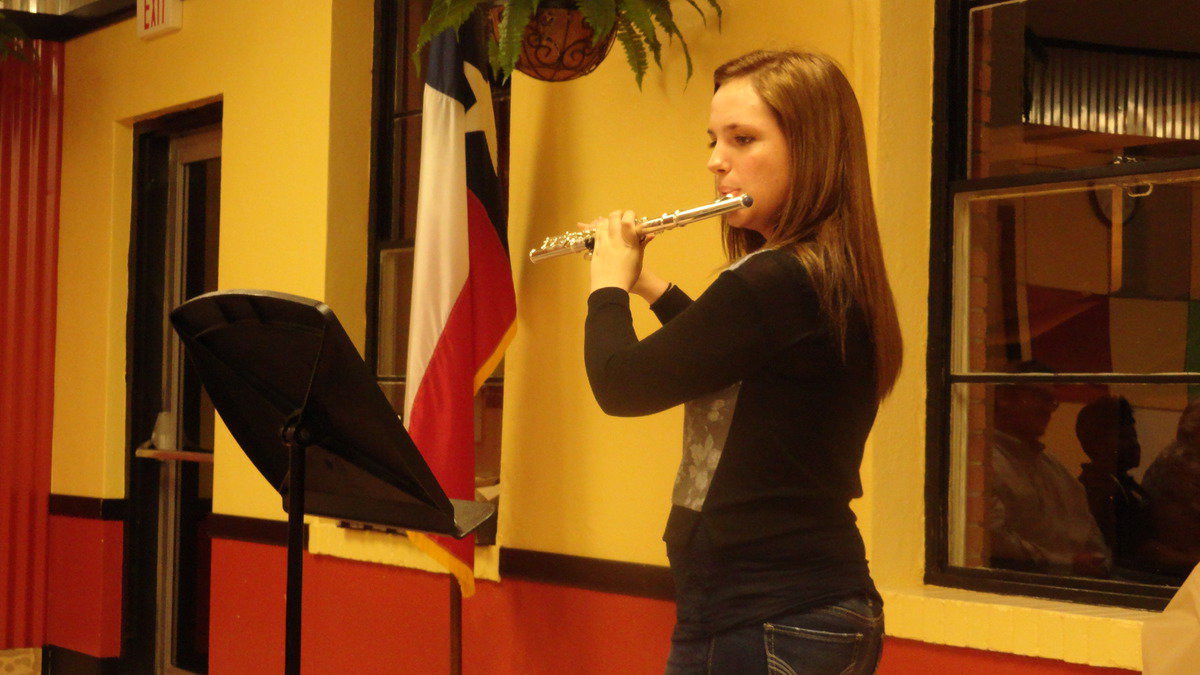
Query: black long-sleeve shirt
x: 775, y: 422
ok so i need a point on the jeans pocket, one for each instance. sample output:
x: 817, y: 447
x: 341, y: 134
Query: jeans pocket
x: 792, y: 650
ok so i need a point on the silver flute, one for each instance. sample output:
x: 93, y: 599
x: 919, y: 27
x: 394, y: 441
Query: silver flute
x: 582, y: 240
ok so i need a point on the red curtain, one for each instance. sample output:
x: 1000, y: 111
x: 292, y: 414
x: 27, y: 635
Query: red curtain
x: 30, y: 154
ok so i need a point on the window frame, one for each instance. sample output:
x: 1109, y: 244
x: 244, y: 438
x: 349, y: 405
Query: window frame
x: 949, y: 180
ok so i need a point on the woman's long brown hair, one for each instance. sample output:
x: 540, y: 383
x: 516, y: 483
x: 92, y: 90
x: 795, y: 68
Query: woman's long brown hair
x: 828, y: 218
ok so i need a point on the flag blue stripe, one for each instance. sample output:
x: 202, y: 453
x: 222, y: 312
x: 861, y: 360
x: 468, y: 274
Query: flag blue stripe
x: 445, y: 71
x: 483, y: 182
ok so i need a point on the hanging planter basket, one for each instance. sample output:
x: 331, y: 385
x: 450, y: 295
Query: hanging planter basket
x: 557, y: 45
x: 553, y: 40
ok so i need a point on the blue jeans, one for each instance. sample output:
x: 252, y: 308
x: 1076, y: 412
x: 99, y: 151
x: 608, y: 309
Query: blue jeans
x: 845, y: 636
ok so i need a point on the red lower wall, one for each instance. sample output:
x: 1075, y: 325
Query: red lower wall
x: 908, y: 657
x: 83, y: 599
x: 360, y: 617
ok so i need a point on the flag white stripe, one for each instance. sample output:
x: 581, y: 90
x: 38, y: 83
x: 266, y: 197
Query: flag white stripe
x: 441, y: 262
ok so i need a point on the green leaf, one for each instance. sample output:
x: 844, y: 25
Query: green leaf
x: 601, y: 15
x: 434, y: 23
x: 12, y: 41
x: 9, y: 30
x: 458, y: 11
x: 698, y: 11
x: 635, y: 51
x: 517, y: 14
x: 661, y: 9
x: 494, y: 59
x: 639, y: 16
x: 687, y: 57
x: 717, y: 7
x: 443, y: 15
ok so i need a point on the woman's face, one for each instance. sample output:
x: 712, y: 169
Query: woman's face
x: 749, y: 155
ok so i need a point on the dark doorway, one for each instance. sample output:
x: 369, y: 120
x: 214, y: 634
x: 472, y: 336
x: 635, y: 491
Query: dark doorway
x: 173, y: 257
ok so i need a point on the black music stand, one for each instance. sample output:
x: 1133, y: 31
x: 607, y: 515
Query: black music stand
x: 306, y: 410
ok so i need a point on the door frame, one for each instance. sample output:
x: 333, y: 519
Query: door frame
x: 151, y: 216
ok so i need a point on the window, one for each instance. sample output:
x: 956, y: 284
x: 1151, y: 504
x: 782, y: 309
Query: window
x: 397, y: 151
x: 1064, y: 367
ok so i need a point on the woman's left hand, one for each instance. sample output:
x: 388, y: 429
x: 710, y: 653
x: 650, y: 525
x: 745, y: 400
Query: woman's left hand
x: 617, y: 253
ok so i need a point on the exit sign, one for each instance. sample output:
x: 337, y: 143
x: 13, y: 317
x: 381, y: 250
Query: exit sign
x: 156, y: 17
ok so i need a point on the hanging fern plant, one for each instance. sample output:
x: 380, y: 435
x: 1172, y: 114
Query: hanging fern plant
x: 515, y: 39
x: 12, y: 40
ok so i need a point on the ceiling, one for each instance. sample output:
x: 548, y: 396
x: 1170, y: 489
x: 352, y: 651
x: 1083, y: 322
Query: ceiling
x: 45, y: 6
x: 65, y: 19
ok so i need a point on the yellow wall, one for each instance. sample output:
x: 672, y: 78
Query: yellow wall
x: 295, y: 157
x: 294, y: 78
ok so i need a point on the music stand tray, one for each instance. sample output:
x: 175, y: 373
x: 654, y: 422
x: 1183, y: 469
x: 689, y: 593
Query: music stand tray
x: 297, y: 397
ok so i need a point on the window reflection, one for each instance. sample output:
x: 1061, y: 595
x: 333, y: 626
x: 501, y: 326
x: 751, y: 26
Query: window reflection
x: 395, y: 289
x: 1038, y: 517
x: 1103, y: 487
x: 1107, y: 433
x: 1052, y: 89
x: 1083, y: 279
x: 1172, y: 485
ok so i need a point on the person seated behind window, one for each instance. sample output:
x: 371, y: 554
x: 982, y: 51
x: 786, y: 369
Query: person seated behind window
x: 1172, y: 484
x: 1038, y: 517
x: 1107, y: 433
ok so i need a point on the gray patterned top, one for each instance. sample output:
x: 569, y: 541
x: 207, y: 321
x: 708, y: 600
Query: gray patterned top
x: 705, y: 427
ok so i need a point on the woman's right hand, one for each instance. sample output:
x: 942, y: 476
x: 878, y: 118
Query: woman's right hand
x: 648, y: 285
x: 616, y: 251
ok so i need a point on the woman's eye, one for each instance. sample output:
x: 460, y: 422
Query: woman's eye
x: 712, y: 143
x: 743, y: 140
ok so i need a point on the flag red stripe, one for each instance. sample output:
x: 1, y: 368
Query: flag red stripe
x: 442, y: 422
x: 490, y: 279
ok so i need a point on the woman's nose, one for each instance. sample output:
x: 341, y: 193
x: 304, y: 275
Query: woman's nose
x: 717, y: 163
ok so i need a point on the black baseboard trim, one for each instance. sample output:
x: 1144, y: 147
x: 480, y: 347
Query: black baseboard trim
x: 609, y: 576
x: 94, y: 508
x: 63, y: 661
x: 253, y: 530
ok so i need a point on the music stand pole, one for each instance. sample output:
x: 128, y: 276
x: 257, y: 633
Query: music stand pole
x: 455, y: 627
x: 295, y: 563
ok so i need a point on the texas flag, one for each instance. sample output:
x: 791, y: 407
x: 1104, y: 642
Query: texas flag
x: 463, y: 304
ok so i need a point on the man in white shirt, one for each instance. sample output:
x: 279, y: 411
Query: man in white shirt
x: 1038, y: 516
